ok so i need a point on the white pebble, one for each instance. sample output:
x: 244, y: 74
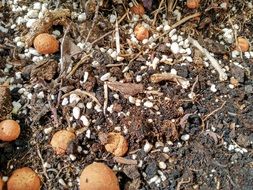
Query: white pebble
x: 131, y: 99
x: 166, y: 149
x: 213, y: 88
x: 166, y: 28
x: 82, y: 17
x: 162, y: 165
x: 37, y: 6
x: 174, y: 47
x: 185, y: 137
x: 89, y: 105
x: 29, y: 96
x: 85, y: 121
x: 147, y: 147
x: 76, y: 112
x: 41, y: 95
x: 174, y: 38
x: 16, y: 107
x: 33, y: 14
x: 72, y: 157
x: 138, y: 78
x: 153, y: 179
x: 88, y: 133
x: 30, y: 23
x: 105, y: 77
x: 73, y: 98
x: 20, y: 44
x: 148, y: 104
x: 48, y: 130
x: 231, y: 147
x: 172, y: 32
x: 65, y: 101
x: 112, y: 18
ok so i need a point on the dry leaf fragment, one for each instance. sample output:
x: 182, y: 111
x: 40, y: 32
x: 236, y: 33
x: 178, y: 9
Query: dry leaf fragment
x: 156, y: 78
x: 130, y: 89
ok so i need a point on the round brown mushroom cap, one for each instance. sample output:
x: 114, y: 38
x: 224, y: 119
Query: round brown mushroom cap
x: 137, y: 9
x: 98, y: 176
x: 242, y: 44
x: 9, y: 130
x: 193, y: 4
x: 141, y: 32
x: 46, y: 44
x: 1, y: 183
x: 116, y: 144
x: 61, y: 140
x: 24, y: 179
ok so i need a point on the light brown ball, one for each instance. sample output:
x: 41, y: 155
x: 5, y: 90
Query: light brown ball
x: 137, y: 9
x: 9, y: 130
x: 24, y: 179
x: 193, y: 4
x: 46, y: 44
x: 98, y: 176
x: 242, y: 44
x: 61, y: 140
x: 141, y: 32
x: 116, y: 144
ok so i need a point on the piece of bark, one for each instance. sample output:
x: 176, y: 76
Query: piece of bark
x: 130, y: 89
x: 156, y: 78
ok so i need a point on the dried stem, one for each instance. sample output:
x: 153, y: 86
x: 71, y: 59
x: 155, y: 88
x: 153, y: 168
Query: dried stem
x: 222, y: 75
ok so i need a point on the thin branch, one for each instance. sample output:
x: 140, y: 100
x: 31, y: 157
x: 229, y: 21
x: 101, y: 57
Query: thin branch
x: 222, y: 75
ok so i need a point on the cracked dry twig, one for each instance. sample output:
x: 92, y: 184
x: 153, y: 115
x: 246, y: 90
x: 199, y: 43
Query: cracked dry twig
x: 222, y: 75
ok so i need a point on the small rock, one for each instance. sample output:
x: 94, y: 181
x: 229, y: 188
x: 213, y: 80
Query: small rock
x: 76, y: 112
x: 185, y: 137
x: 147, y: 147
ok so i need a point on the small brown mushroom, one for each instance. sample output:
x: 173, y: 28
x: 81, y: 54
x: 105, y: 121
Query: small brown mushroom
x: 242, y: 44
x: 141, y: 32
x: 137, y: 9
x: 61, y: 140
x: 46, y: 44
x: 98, y: 176
x: 116, y: 144
x: 23, y: 178
x: 9, y: 130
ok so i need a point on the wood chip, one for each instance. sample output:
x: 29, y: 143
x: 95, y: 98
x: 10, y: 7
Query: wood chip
x: 156, y: 78
x: 122, y: 160
x: 130, y: 89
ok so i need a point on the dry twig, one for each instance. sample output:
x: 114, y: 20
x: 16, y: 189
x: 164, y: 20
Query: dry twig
x: 213, y: 112
x: 222, y: 75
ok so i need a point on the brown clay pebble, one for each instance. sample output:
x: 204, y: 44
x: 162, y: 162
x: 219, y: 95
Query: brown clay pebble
x: 116, y: 144
x: 46, y: 44
x: 24, y: 179
x: 242, y: 44
x: 141, y: 32
x: 9, y: 130
x: 1, y: 183
x: 98, y: 176
x: 137, y: 9
x: 60, y: 141
x: 193, y: 4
